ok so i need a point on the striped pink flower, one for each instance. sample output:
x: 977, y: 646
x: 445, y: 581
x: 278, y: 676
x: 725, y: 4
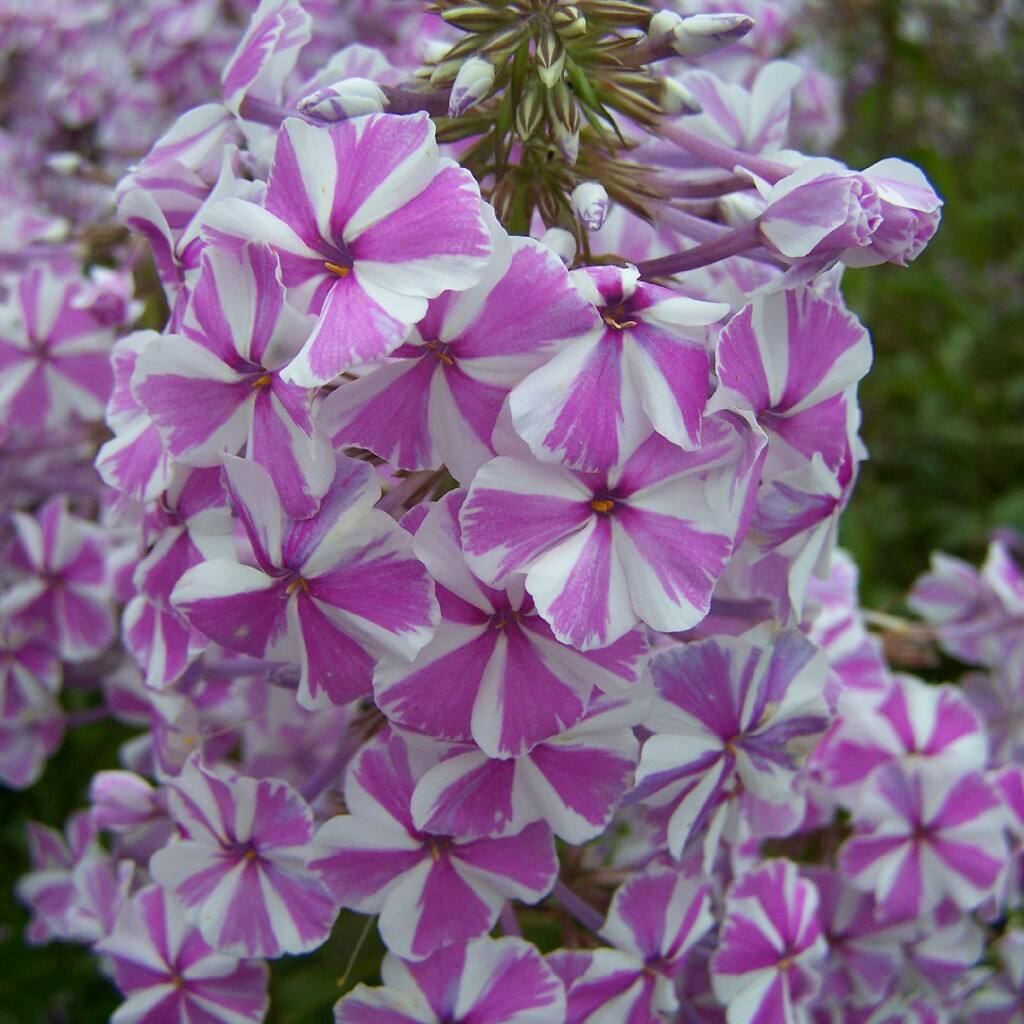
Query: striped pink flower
x: 369, y: 222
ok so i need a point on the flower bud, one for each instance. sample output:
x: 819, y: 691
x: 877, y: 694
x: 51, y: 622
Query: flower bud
x: 699, y: 34
x: 351, y: 97
x: 820, y: 210
x: 561, y: 243
x: 677, y: 99
x: 472, y: 84
x: 550, y: 59
x: 704, y: 33
x: 530, y: 111
x: 569, y: 23
x: 590, y: 202
x: 476, y: 18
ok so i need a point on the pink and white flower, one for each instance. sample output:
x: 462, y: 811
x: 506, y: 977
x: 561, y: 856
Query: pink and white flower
x: 332, y: 593
x: 769, y: 958
x: 369, y: 223
x: 644, y: 542
x: 167, y: 972
x: 487, y: 981
x: 241, y: 865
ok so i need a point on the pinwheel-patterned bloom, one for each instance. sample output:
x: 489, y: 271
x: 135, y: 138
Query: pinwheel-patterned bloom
x: 645, y: 366
x: 331, y: 593
x: 240, y: 868
x: 769, y: 956
x: 730, y: 710
x: 653, y: 922
x: 573, y: 780
x: 644, y: 542
x: 911, y: 718
x: 925, y: 831
x: 439, y: 398
x: 54, y: 358
x: 431, y: 890
x: 508, y: 683
x: 487, y: 981
x: 167, y: 972
x: 789, y: 357
x: 61, y: 583
x: 218, y: 386
x: 369, y: 222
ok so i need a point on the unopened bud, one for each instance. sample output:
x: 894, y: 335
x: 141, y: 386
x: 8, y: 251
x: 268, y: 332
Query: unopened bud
x: 569, y: 23
x: 590, y: 203
x: 739, y: 208
x: 550, y: 58
x: 567, y: 142
x: 351, y: 97
x: 663, y: 22
x: 677, y: 99
x: 472, y: 84
x: 561, y: 243
x: 701, y: 34
x: 476, y: 18
x: 530, y: 111
x: 619, y: 12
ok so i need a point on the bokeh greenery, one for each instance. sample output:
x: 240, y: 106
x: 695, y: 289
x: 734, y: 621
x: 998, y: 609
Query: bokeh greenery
x: 940, y: 84
x: 937, y: 83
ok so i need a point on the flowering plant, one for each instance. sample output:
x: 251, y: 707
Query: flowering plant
x: 464, y: 534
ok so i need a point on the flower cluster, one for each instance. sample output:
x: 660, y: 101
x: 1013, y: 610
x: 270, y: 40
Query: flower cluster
x: 464, y: 537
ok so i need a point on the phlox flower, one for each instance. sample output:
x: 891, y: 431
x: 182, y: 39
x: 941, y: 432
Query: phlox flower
x: 167, y: 972
x: 266, y: 54
x: 645, y: 541
x: 653, y: 922
x: 977, y: 615
x: 770, y: 952
x: 31, y: 720
x: 437, y: 399
x: 910, y: 718
x: 790, y: 356
x: 573, y: 780
x: 644, y: 366
x: 508, y: 682
x: 331, y: 593
x: 865, y: 955
x: 134, y: 461
x: 54, y: 358
x: 487, y: 981
x: 193, y: 523
x: 431, y: 890
x: 240, y: 867
x: 925, y: 830
x: 217, y: 386
x: 369, y: 222
x: 730, y: 711
x: 61, y: 583
x: 1001, y: 999
x: 75, y: 890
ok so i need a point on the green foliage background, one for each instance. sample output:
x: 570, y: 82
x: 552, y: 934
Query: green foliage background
x: 937, y: 83
x: 943, y: 406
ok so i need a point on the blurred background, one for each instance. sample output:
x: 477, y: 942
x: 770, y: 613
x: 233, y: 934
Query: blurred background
x: 938, y: 82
